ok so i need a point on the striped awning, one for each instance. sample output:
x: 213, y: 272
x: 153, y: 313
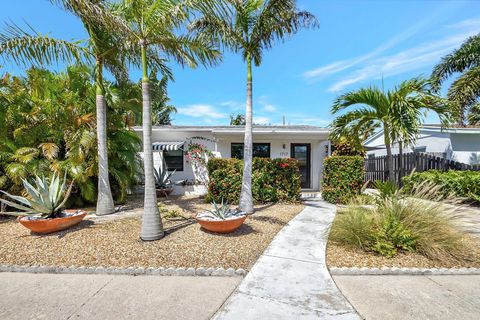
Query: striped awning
x: 170, y: 145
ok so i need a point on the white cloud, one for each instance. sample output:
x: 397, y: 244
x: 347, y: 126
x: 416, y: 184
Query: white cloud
x: 261, y: 120
x: 412, y: 59
x: 269, y: 108
x: 341, y: 65
x: 201, y: 110
x: 234, y: 105
x: 374, y: 65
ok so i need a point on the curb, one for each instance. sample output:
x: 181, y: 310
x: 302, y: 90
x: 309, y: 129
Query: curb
x: 403, y: 271
x: 202, y: 272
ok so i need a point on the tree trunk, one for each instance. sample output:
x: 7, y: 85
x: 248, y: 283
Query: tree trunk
x: 246, y: 199
x: 391, y: 175
x: 105, y: 203
x: 152, y: 228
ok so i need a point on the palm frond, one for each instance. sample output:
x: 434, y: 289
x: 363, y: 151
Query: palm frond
x: 27, y: 47
x: 462, y: 59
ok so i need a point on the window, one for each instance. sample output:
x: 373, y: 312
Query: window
x: 260, y: 150
x: 173, y: 159
x: 420, y: 149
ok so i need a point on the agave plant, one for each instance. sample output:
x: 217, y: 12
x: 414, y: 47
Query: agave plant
x: 162, y: 179
x: 221, y: 211
x: 45, y: 199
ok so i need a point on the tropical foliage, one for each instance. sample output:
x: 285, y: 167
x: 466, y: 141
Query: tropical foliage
x: 237, y: 119
x: 153, y: 29
x: 46, y: 199
x: 50, y: 125
x: 425, y: 223
x: 220, y: 211
x: 342, y: 178
x: 464, y: 92
x: 463, y: 184
x: 398, y: 112
x: 250, y: 28
x: 273, y: 180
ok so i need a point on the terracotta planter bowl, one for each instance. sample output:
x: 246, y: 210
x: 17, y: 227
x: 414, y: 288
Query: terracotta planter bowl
x: 55, y: 224
x: 164, y: 192
x: 225, y: 226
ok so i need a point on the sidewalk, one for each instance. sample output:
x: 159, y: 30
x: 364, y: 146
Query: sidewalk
x: 413, y: 297
x: 68, y: 296
x: 290, y: 280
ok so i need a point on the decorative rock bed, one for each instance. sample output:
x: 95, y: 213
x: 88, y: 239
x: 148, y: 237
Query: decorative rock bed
x: 215, y: 272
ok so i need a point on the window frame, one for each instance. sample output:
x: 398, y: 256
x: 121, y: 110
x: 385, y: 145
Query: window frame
x: 181, y: 155
x: 253, y: 151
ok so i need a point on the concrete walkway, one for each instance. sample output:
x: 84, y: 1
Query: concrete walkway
x: 107, y: 297
x: 290, y: 280
x: 413, y: 297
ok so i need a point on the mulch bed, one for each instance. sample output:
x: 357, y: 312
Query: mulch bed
x: 114, y: 241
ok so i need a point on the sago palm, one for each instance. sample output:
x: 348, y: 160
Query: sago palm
x: 250, y: 27
x: 464, y: 92
x: 153, y: 29
x: 398, y: 112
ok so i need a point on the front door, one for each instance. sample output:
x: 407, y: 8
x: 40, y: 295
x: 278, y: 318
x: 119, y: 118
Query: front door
x: 301, y: 152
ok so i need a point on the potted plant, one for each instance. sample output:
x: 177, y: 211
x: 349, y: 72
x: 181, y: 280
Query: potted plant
x: 222, y: 219
x: 42, y: 210
x: 163, y: 182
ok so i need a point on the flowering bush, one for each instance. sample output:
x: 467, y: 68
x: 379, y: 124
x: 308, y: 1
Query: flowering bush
x: 343, y: 178
x: 197, y: 153
x: 272, y: 180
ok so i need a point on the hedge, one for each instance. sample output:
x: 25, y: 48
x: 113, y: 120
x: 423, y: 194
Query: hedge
x: 272, y: 180
x: 343, y: 178
x: 464, y: 184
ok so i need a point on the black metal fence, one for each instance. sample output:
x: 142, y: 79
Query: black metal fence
x: 376, y: 168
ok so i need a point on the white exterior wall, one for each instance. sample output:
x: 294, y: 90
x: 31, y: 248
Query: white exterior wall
x: 461, y: 147
x: 223, y: 148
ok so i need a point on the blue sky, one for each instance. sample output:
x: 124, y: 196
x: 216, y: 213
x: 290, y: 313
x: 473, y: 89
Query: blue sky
x: 358, y: 41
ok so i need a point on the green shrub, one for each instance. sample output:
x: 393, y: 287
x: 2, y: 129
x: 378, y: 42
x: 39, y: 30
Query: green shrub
x: 343, y: 178
x: 465, y: 184
x: 272, y: 180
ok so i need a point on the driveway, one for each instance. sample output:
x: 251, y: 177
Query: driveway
x: 66, y: 296
x: 413, y: 297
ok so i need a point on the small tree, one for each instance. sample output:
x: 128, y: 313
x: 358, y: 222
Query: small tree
x: 251, y: 27
x: 398, y: 112
x: 237, y: 119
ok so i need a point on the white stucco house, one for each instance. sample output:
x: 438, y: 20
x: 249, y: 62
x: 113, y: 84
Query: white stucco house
x: 308, y: 144
x: 456, y: 143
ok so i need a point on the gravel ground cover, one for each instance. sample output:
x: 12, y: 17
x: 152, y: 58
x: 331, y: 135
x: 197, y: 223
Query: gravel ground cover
x: 113, y: 241
x: 342, y: 256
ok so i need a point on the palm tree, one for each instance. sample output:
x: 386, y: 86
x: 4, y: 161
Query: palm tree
x: 398, y: 112
x: 152, y: 30
x: 250, y: 27
x: 106, y: 48
x: 23, y: 47
x: 464, y: 92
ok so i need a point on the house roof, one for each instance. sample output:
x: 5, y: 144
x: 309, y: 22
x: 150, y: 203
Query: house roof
x: 240, y: 129
x: 435, y: 127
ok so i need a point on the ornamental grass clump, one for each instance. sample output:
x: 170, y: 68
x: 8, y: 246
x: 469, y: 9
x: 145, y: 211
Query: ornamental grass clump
x: 426, y: 223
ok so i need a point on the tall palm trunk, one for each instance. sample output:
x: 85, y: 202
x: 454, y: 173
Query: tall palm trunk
x: 388, y: 146
x: 105, y: 203
x: 152, y: 228
x: 246, y: 199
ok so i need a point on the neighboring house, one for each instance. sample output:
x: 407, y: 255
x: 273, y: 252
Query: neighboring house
x: 308, y: 144
x: 456, y: 143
